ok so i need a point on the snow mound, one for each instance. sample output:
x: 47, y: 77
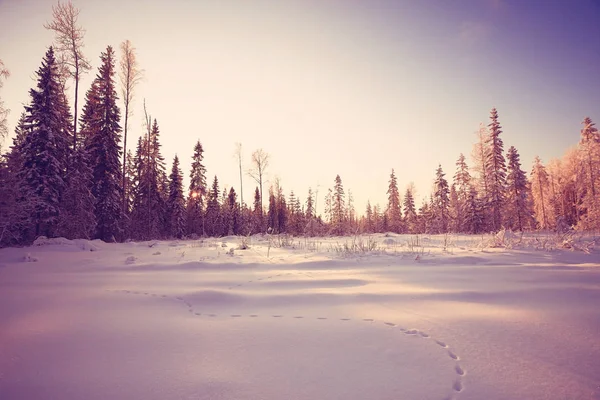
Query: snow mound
x: 130, y: 260
x: 83, y: 244
x: 389, y: 241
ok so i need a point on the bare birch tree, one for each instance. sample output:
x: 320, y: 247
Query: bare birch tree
x: 130, y: 75
x: 238, y: 155
x: 4, y: 73
x: 260, y: 163
x: 68, y: 42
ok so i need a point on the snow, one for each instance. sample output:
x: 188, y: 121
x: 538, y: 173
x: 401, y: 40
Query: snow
x: 441, y: 317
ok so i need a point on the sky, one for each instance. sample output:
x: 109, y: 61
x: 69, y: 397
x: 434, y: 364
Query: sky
x: 327, y: 87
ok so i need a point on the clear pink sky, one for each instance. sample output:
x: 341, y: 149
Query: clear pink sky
x: 349, y: 87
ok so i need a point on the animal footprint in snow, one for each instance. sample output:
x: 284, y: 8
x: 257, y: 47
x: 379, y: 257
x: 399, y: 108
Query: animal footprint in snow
x: 459, y: 370
x: 442, y: 344
x: 390, y: 323
x: 452, y: 355
x: 457, y: 386
x: 368, y: 320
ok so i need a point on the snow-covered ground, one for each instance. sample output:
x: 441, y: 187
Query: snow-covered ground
x: 441, y: 318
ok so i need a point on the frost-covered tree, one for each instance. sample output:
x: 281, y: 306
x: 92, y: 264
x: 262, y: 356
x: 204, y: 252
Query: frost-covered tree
x: 213, y: 225
x: 4, y: 73
x: 176, y: 202
x: 410, y: 212
x: 540, y: 193
x: 77, y: 218
x: 233, y: 222
x: 368, y: 221
x: 272, y: 220
x: 393, y: 207
x: 130, y: 76
x: 197, y: 193
x: 257, y: 212
x: 462, y: 183
x: 68, y: 39
x: 441, y: 201
x: 589, y: 181
x: 45, y: 149
x: 495, y: 167
x: 338, y: 207
x: 481, y: 178
x: 517, y: 210
x: 104, y: 150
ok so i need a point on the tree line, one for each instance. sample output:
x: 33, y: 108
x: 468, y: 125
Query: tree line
x: 56, y: 180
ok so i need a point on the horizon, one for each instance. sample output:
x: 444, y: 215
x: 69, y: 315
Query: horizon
x: 391, y: 84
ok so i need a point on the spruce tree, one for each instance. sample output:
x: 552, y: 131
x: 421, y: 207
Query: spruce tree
x: 463, y: 184
x: 78, y: 219
x: 213, y: 226
x: 394, y: 210
x: 102, y: 145
x: 540, y: 194
x: 441, y: 201
x: 410, y: 213
x: 176, y: 202
x: 234, y: 222
x: 338, y: 207
x: 589, y: 156
x: 257, y: 212
x: 518, y: 213
x: 272, y: 219
x: 46, y: 149
x: 197, y: 193
x: 495, y: 167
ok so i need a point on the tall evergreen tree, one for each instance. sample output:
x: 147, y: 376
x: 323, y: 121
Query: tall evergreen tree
x: 410, y: 213
x: 257, y: 212
x: 176, y: 202
x: 338, y: 207
x: 197, y: 192
x: 462, y: 182
x: 213, y: 226
x: 103, y: 129
x: 589, y: 155
x: 495, y: 167
x: 77, y: 218
x: 518, y: 214
x: 441, y: 201
x: 540, y: 194
x: 45, y: 149
x: 393, y: 208
x: 234, y: 213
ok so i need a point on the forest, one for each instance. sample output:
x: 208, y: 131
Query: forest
x: 76, y: 176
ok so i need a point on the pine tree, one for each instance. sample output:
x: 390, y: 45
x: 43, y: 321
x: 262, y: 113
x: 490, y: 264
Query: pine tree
x: 393, y: 208
x: 272, y: 219
x: 480, y: 181
x: 589, y: 155
x: 15, y: 210
x: 455, y: 217
x: 462, y: 182
x: 441, y: 201
x: 46, y: 149
x: 338, y: 207
x: 495, y: 167
x: 518, y: 214
x: 197, y: 193
x: 101, y: 124
x: 473, y: 217
x: 540, y: 193
x: 176, y: 202
x: 213, y: 226
x: 257, y: 212
x: 234, y: 220
x: 410, y: 213
x: 77, y: 219
x: 369, y: 225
